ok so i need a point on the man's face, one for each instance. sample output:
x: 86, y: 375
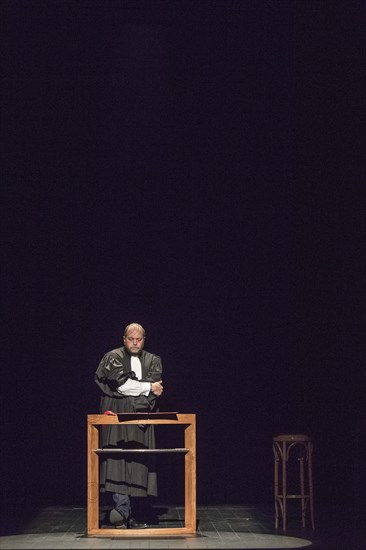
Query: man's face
x: 134, y: 341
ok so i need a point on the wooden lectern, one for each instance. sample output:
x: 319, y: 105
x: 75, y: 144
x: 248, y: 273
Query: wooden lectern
x: 189, y: 449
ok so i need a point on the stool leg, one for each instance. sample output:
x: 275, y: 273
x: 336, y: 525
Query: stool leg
x: 276, y: 460
x: 302, y: 489
x: 311, y: 496
x: 284, y: 485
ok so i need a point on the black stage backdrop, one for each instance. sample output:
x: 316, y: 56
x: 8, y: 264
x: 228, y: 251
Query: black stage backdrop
x: 196, y: 167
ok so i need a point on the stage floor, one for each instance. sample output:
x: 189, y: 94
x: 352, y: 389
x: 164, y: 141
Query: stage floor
x: 224, y: 526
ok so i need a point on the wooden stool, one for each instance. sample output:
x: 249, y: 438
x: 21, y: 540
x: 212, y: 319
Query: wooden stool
x: 303, y: 446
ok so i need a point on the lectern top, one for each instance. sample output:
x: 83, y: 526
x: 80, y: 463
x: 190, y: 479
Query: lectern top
x: 142, y: 418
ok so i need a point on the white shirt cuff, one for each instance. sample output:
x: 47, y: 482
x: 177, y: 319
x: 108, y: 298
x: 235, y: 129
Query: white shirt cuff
x: 134, y: 388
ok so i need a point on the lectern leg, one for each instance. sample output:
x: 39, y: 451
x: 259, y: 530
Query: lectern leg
x: 93, y: 478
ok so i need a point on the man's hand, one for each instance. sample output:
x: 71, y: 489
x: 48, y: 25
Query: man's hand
x: 157, y: 387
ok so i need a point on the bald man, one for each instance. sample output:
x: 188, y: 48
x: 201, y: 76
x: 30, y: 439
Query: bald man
x: 130, y: 379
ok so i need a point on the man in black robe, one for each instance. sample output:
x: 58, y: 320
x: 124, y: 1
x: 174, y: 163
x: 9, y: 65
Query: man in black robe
x: 131, y: 380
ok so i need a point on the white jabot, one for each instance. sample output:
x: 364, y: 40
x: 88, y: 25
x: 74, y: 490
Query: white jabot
x: 136, y: 366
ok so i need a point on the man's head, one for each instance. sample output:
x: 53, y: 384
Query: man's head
x: 134, y: 338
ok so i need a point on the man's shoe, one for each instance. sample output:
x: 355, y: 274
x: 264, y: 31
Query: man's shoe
x: 117, y: 519
x: 134, y: 524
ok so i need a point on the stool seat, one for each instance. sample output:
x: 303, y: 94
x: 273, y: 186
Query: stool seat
x: 284, y: 447
x: 292, y: 437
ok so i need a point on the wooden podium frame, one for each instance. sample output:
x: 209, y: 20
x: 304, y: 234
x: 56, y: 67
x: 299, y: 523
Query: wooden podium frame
x: 189, y: 420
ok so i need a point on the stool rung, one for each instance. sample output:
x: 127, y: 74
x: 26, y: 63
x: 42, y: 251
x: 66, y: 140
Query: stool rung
x: 293, y: 496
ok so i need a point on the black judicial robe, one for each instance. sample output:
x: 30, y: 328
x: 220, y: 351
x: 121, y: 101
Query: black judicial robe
x: 132, y: 474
